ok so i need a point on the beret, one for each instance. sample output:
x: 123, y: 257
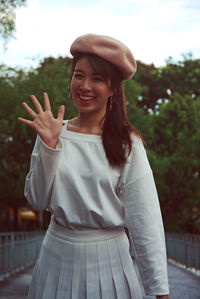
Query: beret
x: 108, y: 48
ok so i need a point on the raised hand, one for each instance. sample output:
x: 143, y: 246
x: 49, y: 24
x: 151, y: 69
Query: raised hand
x: 46, y: 126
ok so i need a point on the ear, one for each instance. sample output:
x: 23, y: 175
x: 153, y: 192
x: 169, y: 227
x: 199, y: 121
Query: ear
x: 110, y: 89
x: 111, y: 93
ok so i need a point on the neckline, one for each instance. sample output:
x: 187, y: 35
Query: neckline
x: 78, y: 135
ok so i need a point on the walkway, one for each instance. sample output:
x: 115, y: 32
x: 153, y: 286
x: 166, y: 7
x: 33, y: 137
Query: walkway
x: 183, y: 285
x: 17, y: 286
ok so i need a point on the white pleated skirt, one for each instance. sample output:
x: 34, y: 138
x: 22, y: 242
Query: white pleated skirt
x: 84, y: 264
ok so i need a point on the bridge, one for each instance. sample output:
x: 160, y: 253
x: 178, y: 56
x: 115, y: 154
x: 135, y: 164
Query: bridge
x: 18, y: 252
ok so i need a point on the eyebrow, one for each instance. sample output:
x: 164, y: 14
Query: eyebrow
x: 94, y: 74
x: 77, y: 70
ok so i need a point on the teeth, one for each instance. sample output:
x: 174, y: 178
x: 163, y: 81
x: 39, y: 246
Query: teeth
x: 86, y: 98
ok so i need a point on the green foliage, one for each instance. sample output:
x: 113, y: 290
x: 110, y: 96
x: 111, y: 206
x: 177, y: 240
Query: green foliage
x: 16, y: 139
x: 7, y: 17
x: 160, y: 83
x: 172, y: 135
x: 162, y: 103
x: 136, y: 115
x: 175, y: 161
x: 152, y: 88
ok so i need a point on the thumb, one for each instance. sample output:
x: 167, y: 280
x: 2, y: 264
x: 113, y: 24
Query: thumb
x: 61, y: 113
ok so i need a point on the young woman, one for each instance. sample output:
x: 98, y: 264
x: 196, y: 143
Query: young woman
x: 92, y: 173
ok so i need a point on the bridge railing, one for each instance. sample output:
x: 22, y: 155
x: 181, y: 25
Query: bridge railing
x: 184, y: 249
x: 18, y: 250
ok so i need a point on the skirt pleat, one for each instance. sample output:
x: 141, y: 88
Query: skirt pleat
x: 92, y: 272
x: 63, y: 284
x: 120, y: 283
x: 40, y: 272
x: 52, y: 280
x: 105, y: 276
x: 84, y: 265
x: 78, y: 284
x: 66, y: 260
x: 48, y: 261
x: 129, y: 271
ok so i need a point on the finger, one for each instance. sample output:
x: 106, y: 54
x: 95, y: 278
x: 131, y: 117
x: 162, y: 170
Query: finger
x: 29, y: 110
x: 36, y: 104
x: 47, y: 104
x: 25, y: 121
x: 61, y: 113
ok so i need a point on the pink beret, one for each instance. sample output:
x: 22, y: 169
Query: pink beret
x: 109, y: 49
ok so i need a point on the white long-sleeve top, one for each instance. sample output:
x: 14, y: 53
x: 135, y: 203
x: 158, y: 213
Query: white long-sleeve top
x: 76, y: 183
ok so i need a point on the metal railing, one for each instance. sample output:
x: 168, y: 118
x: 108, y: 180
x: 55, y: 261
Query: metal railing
x: 18, y: 250
x: 184, y: 249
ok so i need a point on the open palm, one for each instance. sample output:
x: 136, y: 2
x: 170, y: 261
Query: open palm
x: 44, y: 123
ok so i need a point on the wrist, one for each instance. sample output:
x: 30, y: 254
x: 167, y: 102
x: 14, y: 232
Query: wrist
x: 51, y: 143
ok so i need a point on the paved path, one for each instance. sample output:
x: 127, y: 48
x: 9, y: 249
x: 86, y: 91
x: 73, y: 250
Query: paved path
x: 17, y: 286
x: 183, y: 285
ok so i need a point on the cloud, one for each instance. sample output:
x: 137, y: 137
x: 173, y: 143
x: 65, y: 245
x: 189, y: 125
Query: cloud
x: 154, y: 30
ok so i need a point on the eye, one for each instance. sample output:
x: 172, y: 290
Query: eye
x: 98, y: 78
x: 78, y: 76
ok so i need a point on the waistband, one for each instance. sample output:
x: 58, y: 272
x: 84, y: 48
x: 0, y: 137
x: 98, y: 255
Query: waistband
x: 87, y: 235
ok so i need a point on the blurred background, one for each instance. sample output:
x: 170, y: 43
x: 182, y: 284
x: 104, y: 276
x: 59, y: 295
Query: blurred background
x: 163, y: 98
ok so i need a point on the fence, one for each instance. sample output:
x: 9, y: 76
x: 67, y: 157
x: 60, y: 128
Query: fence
x: 184, y: 249
x: 18, y: 250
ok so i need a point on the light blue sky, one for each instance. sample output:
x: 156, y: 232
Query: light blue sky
x: 153, y: 29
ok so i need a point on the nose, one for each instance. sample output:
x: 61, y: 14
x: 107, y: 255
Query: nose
x: 85, y: 85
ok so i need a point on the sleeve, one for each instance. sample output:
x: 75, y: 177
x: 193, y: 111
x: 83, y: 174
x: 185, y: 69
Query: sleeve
x: 39, y: 181
x: 144, y: 221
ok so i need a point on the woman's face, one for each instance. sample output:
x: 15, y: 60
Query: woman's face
x: 89, y: 89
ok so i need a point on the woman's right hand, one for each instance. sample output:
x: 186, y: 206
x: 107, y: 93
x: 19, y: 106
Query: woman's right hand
x: 46, y: 126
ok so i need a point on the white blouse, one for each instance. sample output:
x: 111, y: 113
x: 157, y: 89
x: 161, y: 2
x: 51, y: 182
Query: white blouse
x: 76, y: 183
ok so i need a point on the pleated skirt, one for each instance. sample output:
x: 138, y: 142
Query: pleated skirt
x: 84, y: 264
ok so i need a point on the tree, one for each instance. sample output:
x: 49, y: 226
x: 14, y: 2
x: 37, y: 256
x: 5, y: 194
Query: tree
x: 16, y: 139
x: 153, y: 90
x: 136, y: 115
x: 183, y: 77
x: 7, y: 17
x: 160, y: 83
x: 174, y: 157
x: 170, y: 130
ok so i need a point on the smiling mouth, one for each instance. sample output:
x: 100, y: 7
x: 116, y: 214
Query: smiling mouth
x: 86, y: 99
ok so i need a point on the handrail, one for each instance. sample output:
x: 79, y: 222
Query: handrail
x: 18, y: 250
x: 184, y: 249
x: 185, y: 236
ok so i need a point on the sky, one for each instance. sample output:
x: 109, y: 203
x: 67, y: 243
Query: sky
x: 154, y: 30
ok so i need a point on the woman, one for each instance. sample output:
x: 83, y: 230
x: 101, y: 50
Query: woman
x: 92, y: 173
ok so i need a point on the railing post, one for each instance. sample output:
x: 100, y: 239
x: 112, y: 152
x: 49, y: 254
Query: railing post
x: 17, y: 252
x: 184, y: 249
x: 186, y: 254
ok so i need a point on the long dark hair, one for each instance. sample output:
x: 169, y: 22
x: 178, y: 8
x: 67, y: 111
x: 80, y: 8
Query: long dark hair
x: 117, y: 129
